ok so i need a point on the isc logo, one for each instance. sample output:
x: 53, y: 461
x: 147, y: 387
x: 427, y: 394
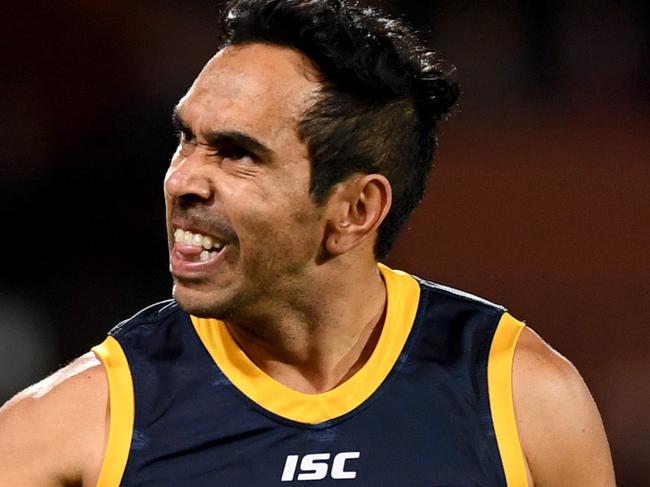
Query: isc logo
x: 316, y: 466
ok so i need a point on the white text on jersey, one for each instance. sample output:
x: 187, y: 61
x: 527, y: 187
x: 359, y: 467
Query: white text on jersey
x: 316, y: 466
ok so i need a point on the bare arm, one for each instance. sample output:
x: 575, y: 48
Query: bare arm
x: 53, y: 433
x: 561, y: 431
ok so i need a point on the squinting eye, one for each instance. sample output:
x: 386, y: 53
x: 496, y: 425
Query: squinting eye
x: 185, y: 145
x: 184, y: 136
x: 233, y: 152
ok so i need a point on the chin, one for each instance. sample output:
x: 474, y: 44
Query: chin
x: 200, y: 303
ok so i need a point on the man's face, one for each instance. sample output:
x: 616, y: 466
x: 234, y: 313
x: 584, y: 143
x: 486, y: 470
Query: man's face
x: 243, y: 229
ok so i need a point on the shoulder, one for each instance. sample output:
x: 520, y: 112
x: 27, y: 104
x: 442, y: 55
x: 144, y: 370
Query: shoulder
x: 463, y: 298
x: 560, y: 429
x: 52, y: 433
x: 152, y: 314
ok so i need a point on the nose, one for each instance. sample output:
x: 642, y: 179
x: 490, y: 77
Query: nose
x: 184, y: 180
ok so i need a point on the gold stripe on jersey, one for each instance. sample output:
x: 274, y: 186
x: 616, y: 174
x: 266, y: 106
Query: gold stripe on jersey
x: 500, y: 363
x: 122, y: 412
x: 403, y: 294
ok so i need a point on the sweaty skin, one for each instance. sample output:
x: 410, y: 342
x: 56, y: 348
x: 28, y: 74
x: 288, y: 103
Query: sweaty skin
x: 296, y: 282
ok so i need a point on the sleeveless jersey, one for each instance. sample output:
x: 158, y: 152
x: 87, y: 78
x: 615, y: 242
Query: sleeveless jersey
x: 431, y: 407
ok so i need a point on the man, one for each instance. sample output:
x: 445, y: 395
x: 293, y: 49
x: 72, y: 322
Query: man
x: 288, y: 353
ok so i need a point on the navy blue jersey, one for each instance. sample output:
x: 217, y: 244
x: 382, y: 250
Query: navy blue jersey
x: 431, y: 407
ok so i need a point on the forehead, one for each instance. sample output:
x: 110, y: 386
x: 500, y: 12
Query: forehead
x: 256, y: 88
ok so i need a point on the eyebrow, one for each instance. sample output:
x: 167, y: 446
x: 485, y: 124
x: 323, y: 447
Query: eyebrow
x: 224, y: 137
x: 180, y: 123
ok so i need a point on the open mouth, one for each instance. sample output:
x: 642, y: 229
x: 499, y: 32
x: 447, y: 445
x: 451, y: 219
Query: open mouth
x: 196, y: 247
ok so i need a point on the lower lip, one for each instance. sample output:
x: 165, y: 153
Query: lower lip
x: 182, y: 267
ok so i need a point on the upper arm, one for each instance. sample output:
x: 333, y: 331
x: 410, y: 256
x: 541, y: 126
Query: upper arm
x: 53, y: 433
x: 560, y: 429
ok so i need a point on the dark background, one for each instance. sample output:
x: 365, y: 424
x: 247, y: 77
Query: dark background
x: 539, y: 200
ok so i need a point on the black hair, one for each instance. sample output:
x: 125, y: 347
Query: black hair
x: 382, y: 94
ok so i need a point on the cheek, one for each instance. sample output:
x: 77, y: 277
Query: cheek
x: 275, y: 218
x: 289, y: 235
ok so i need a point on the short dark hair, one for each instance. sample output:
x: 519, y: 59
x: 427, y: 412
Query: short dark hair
x: 382, y: 94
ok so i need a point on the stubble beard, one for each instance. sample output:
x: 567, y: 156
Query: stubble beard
x: 212, y: 305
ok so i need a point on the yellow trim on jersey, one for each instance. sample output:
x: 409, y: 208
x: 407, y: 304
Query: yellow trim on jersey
x: 403, y: 294
x: 500, y: 362
x: 122, y: 412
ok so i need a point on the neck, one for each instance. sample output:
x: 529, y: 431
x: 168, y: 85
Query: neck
x: 316, y: 342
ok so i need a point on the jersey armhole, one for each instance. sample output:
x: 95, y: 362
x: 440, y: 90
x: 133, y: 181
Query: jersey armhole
x: 500, y: 362
x: 122, y: 412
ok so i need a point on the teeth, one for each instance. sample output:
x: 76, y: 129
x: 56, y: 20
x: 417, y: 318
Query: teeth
x: 197, y: 240
x: 205, y: 255
x: 179, y: 236
x: 207, y: 242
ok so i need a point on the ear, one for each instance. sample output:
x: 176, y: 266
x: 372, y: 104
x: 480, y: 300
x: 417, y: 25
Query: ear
x: 358, y: 206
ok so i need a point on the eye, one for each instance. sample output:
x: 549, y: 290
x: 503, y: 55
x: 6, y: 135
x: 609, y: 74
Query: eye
x: 185, y: 136
x: 186, y: 143
x: 234, y: 152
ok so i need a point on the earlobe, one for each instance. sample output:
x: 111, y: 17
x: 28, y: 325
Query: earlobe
x: 360, y: 205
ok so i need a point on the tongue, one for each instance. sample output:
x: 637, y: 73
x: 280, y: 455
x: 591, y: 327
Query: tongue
x: 189, y: 253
